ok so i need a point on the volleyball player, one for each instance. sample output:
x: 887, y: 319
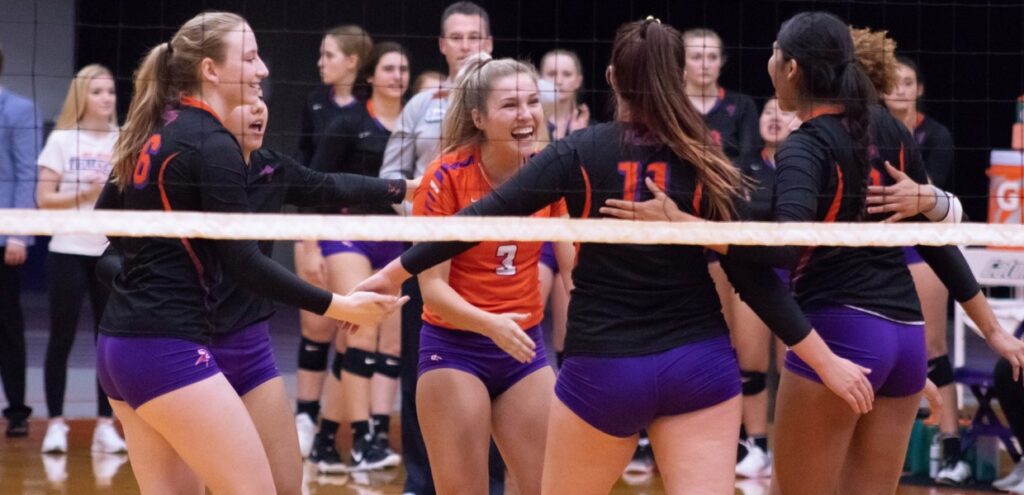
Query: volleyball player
x: 343, y: 51
x: 647, y: 346
x: 862, y: 299
x: 414, y: 144
x: 482, y: 304
x: 936, y: 146
x: 354, y: 143
x: 154, y: 359
x: 72, y: 168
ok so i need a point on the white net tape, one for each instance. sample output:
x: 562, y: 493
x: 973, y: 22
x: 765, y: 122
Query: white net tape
x: 396, y: 228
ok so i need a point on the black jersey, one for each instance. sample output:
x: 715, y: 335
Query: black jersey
x: 167, y: 286
x: 628, y: 299
x: 733, y: 121
x: 759, y: 167
x: 319, y: 112
x: 354, y: 143
x: 819, y: 178
x: 936, y: 145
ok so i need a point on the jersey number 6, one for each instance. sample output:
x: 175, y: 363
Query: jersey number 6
x: 140, y: 177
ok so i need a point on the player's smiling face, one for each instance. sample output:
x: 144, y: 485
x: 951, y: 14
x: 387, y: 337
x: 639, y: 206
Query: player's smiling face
x: 239, y: 74
x: 513, y: 114
x: 391, y: 76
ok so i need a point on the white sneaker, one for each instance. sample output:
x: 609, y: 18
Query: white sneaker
x: 307, y: 432
x: 642, y: 462
x: 954, y: 474
x: 1018, y: 488
x: 56, y: 439
x: 106, y: 439
x: 756, y: 464
x: 1011, y: 480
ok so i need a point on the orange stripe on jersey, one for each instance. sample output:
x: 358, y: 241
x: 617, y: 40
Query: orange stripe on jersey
x: 587, y: 193
x: 189, y: 101
x: 198, y: 265
x: 903, y: 165
x: 497, y: 277
x: 698, y: 192
x: 830, y: 216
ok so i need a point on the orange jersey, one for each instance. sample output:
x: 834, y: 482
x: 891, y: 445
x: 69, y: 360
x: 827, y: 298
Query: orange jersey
x: 497, y: 277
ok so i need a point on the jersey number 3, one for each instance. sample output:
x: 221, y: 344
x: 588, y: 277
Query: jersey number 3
x: 507, y: 253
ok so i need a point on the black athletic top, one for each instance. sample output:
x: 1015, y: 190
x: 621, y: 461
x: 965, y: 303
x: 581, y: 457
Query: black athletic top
x: 273, y: 181
x: 166, y: 287
x: 734, y: 124
x: 319, y: 112
x: 629, y: 299
x: 354, y: 143
x: 820, y: 179
x: 936, y: 145
x: 760, y: 168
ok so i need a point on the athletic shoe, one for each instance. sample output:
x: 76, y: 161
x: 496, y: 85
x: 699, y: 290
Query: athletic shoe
x: 1011, y: 480
x: 56, y: 439
x: 1018, y: 488
x: 954, y: 474
x: 381, y: 443
x: 756, y: 464
x: 324, y: 455
x: 307, y: 432
x: 366, y: 456
x: 643, y: 458
x: 17, y: 427
x: 106, y: 439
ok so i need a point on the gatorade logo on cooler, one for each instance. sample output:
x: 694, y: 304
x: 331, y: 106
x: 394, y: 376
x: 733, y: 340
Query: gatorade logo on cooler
x: 1004, y: 179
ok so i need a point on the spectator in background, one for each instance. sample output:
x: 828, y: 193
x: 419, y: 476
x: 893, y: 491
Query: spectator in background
x: 19, y: 144
x: 428, y: 79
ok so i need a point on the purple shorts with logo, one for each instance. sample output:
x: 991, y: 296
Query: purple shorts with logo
x: 894, y: 352
x: 477, y: 355
x: 138, y: 369
x: 380, y: 253
x: 547, y: 257
x: 623, y: 395
x: 246, y: 357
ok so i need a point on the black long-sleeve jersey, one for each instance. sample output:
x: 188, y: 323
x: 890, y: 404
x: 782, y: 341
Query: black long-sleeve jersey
x: 167, y: 286
x: 733, y: 121
x: 319, y: 112
x: 354, y: 143
x: 818, y: 178
x: 629, y: 299
x: 273, y: 180
x: 936, y: 145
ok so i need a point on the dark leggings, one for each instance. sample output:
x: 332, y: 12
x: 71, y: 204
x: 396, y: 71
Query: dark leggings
x: 1011, y: 398
x: 12, y: 341
x: 69, y: 278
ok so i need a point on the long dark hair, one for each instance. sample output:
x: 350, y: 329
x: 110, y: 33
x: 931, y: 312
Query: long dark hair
x: 648, y: 61
x: 363, y: 89
x: 830, y: 73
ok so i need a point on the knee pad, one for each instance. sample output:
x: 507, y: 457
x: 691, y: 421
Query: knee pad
x: 338, y: 364
x: 360, y: 362
x: 388, y: 365
x: 313, y: 355
x: 753, y: 382
x: 940, y: 371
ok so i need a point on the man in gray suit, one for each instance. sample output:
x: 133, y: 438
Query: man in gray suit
x: 20, y: 139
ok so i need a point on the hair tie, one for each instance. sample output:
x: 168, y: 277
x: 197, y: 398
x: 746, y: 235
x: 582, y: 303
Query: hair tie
x: 649, y: 19
x: 170, y: 49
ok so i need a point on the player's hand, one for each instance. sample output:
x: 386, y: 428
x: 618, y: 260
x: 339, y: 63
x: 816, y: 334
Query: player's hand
x: 660, y: 208
x: 849, y: 381
x: 904, y: 199
x: 363, y: 308
x: 505, y: 332
x: 1008, y: 347
x: 411, y: 185
x: 15, y: 253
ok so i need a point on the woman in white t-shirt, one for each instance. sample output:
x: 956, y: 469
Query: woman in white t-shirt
x: 73, y: 166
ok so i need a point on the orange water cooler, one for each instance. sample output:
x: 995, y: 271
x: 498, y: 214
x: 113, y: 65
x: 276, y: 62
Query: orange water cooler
x: 1006, y: 187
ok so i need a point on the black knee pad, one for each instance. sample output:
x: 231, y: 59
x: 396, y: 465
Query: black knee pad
x: 338, y: 364
x: 753, y: 382
x: 313, y: 355
x: 360, y: 362
x: 388, y: 365
x: 940, y: 371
